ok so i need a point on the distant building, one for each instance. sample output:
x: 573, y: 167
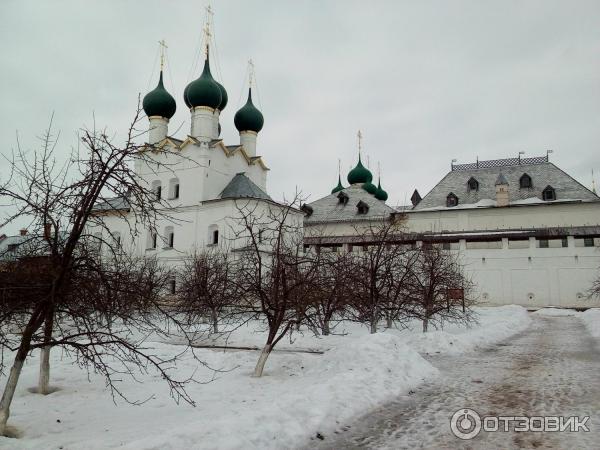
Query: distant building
x: 527, y: 232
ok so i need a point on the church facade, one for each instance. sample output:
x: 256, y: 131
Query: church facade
x: 526, y: 232
x: 202, y: 186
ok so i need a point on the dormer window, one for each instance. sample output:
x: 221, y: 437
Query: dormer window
x: 548, y: 194
x: 307, y: 210
x: 473, y: 184
x: 451, y: 200
x: 525, y: 181
x: 362, y: 207
x: 343, y: 198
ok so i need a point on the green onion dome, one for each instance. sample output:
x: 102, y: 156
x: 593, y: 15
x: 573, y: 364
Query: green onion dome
x: 380, y: 194
x: 249, y: 118
x: 159, y: 102
x: 224, y: 97
x: 360, y: 174
x: 369, y: 187
x: 339, y: 186
x: 203, y: 91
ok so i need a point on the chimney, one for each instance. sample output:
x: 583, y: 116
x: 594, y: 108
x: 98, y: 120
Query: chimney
x: 502, y: 198
x: 23, y: 232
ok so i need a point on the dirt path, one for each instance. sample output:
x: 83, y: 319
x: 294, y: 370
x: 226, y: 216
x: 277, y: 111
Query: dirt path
x: 553, y: 368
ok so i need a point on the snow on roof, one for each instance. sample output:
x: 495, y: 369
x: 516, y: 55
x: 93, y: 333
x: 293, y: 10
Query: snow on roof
x: 542, y: 175
x: 241, y: 186
x: 330, y: 209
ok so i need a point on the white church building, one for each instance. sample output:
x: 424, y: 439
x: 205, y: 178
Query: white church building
x: 201, y: 185
x: 526, y: 231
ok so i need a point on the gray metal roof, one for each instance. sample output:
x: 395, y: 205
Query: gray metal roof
x: 112, y: 204
x: 542, y: 175
x: 329, y: 208
x: 243, y: 187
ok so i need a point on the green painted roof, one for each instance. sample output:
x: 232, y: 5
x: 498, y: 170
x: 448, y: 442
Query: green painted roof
x: 249, y: 118
x: 203, y: 91
x: 224, y: 97
x: 369, y: 187
x: 339, y: 186
x: 159, y: 102
x: 380, y: 194
x: 360, y: 174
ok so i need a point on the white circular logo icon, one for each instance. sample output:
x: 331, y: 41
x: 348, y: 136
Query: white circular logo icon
x: 465, y: 424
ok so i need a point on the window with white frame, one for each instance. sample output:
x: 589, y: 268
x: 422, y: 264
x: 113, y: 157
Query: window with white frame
x: 157, y: 190
x: 151, y: 240
x: 213, y: 235
x: 173, y: 188
x: 169, y: 237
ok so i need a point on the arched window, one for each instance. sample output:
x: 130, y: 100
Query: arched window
x: 525, y: 181
x: 157, y: 189
x: 473, y: 184
x: 451, y: 200
x: 151, y: 240
x: 213, y: 235
x: 548, y: 194
x: 173, y: 188
x: 169, y: 237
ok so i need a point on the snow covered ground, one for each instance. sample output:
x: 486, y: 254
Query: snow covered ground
x: 590, y: 317
x: 299, y: 395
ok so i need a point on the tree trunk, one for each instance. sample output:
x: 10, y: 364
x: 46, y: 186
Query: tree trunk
x: 373, y: 326
x: 425, y: 324
x: 325, y: 328
x: 9, y: 392
x: 44, y: 380
x: 215, y: 321
x: 390, y: 322
x: 260, y: 365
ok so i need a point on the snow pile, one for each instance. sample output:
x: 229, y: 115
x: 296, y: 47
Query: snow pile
x: 553, y: 312
x: 299, y: 395
x: 494, y: 324
x: 591, y: 319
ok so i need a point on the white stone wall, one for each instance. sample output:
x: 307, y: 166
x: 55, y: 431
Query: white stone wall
x: 507, y: 271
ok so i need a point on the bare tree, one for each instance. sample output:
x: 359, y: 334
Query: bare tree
x: 272, y: 271
x: 206, y: 288
x: 82, y: 287
x: 378, y: 272
x: 438, y: 287
x: 594, y: 290
x: 330, y: 291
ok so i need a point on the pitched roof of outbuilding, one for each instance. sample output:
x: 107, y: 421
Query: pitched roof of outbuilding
x: 241, y: 186
x: 542, y: 174
x: 330, y: 209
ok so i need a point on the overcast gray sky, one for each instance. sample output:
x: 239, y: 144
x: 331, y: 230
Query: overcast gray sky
x: 425, y: 81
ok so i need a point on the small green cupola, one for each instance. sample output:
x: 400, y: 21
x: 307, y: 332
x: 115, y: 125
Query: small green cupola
x: 224, y: 96
x: 204, y: 91
x: 159, y: 102
x: 369, y: 187
x: 248, y: 117
x: 339, y: 186
x: 360, y: 174
x: 380, y: 194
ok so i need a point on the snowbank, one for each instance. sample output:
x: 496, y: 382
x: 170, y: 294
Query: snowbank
x: 299, y: 395
x: 554, y: 312
x: 591, y: 319
x: 494, y: 325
